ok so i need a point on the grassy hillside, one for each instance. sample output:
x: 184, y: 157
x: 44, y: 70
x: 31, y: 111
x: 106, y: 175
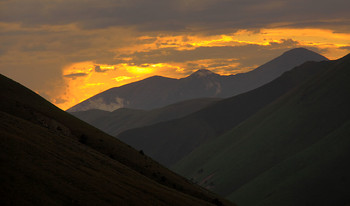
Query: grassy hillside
x: 317, y: 175
x: 168, y: 142
x: 39, y: 167
x: 49, y: 157
x: 293, y: 152
x: 123, y: 119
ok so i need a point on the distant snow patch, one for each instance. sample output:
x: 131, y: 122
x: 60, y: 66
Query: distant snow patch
x: 102, y: 105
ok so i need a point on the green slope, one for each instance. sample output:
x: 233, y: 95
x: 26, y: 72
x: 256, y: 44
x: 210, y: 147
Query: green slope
x: 261, y: 157
x: 123, y: 119
x: 318, y: 175
x: 49, y: 157
x: 170, y: 141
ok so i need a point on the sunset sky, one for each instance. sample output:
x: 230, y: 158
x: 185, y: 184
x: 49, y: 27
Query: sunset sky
x: 69, y: 50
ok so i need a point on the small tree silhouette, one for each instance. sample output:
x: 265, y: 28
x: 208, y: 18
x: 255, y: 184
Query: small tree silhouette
x: 83, y: 139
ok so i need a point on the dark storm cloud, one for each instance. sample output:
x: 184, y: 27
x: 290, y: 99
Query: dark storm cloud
x: 75, y: 75
x: 345, y: 48
x: 33, y: 48
x: 243, y: 53
x: 175, y: 15
x: 98, y: 69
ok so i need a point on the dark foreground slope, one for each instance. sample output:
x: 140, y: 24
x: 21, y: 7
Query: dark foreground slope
x: 155, y: 92
x: 170, y: 141
x: 123, y: 119
x: 293, y: 152
x: 49, y: 157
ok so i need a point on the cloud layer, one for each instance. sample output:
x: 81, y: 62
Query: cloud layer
x: 178, y: 15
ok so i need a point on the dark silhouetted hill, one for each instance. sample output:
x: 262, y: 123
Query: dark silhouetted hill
x: 295, y: 151
x: 49, y: 157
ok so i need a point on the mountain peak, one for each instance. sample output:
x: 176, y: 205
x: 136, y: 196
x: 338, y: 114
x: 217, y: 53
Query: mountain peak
x: 303, y: 52
x: 202, y: 73
x: 298, y: 49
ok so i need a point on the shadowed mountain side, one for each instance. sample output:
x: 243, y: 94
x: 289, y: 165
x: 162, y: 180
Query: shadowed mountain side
x: 49, y: 157
x: 293, y: 152
x: 155, y: 92
x: 42, y: 168
x: 170, y: 141
x: 123, y: 119
x: 275, y: 68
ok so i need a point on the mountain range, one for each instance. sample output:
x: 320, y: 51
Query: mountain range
x: 49, y: 157
x: 170, y: 141
x: 157, y: 91
x: 294, y: 151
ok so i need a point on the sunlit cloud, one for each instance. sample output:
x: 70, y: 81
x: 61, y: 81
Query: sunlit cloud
x: 136, y: 70
x: 121, y: 78
x: 92, y: 85
x: 83, y: 81
x: 264, y: 37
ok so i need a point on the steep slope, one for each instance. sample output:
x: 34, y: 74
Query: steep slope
x: 155, y: 92
x: 276, y: 67
x: 49, y: 157
x: 123, y: 119
x: 170, y: 141
x: 293, y: 152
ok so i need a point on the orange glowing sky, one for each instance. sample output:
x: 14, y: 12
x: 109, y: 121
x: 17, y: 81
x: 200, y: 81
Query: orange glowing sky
x: 70, y: 51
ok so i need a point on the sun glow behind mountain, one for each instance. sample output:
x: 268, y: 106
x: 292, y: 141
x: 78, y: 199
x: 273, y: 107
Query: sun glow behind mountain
x: 67, y: 55
x: 85, y: 79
